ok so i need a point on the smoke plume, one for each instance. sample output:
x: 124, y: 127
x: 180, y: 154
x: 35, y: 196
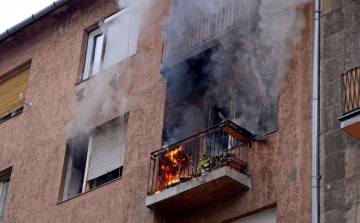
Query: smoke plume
x: 243, y: 75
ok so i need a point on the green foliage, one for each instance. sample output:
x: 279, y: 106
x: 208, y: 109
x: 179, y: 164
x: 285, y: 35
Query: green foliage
x: 208, y: 162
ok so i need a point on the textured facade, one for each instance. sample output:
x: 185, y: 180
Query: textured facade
x: 339, y: 151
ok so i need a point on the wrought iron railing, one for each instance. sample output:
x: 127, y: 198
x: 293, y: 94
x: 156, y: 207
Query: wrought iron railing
x: 350, y: 82
x: 225, y: 144
x: 199, y: 26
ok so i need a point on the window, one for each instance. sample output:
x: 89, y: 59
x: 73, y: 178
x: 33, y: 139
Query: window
x: 4, y: 186
x: 111, y: 43
x: 10, y: 89
x: 267, y: 216
x: 95, y: 159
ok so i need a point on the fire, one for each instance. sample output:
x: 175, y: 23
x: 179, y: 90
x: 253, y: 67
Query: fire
x: 173, y: 163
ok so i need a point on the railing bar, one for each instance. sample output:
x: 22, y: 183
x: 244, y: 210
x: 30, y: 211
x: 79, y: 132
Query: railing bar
x: 223, y: 15
x: 247, y: 155
x: 222, y: 141
x: 342, y: 93
x: 233, y: 12
x: 175, y: 42
x: 188, y: 158
x: 166, y: 172
x: 218, y: 144
x: 202, y: 20
x: 194, y: 148
x: 148, y: 190
x: 244, y: 154
x: 171, y: 171
x: 188, y: 34
x: 159, y: 175
x: 180, y: 162
x: 191, y: 34
x: 227, y: 143
x: 195, y: 30
x: 229, y: 12
x: 358, y: 88
x: 197, y: 27
x: 183, y: 38
x: 192, y: 161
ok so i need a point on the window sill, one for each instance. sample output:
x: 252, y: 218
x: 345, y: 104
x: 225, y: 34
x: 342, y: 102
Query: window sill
x: 83, y: 80
x: 87, y: 191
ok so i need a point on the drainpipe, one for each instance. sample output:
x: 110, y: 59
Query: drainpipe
x: 33, y: 18
x: 315, y: 115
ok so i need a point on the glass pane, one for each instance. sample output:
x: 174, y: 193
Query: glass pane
x: 4, y: 186
x: 96, y: 55
x: 117, y: 40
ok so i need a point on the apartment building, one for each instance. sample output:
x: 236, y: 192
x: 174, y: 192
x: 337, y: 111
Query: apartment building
x: 159, y: 111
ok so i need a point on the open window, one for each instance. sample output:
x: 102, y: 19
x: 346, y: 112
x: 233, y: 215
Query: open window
x: 11, y: 86
x: 96, y: 158
x: 114, y: 41
x: 207, y: 89
x: 4, y: 187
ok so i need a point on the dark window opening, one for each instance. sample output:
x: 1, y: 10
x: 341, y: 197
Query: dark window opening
x: 77, y: 155
x: 106, y: 178
x: 12, y: 114
x: 209, y: 88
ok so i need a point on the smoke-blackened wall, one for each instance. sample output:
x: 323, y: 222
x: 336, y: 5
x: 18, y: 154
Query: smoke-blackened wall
x: 243, y: 74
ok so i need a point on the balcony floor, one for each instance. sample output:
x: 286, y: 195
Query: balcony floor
x: 351, y: 124
x: 212, y: 186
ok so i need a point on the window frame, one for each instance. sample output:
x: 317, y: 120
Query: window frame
x: 90, y: 50
x: 102, y: 30
x: 13, y: 74
x: 86, y: 184
x: 4, y: 177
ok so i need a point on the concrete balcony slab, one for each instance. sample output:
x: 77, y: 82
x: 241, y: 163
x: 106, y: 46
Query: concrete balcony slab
x: 220, y: 183
x: 351, y: 124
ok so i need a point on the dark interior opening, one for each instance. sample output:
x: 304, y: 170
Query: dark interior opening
x: 212, y: 86
x: 106, y: 178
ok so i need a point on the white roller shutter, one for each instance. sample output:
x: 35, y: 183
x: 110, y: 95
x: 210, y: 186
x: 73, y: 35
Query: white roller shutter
x: 268, y: 216
x: 107, y: 150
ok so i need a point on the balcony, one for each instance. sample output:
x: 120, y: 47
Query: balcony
x: 203, y: 168
x: 350, y: 91
x: 202, y: 29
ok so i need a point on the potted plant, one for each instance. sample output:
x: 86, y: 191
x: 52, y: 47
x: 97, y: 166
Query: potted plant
x: 208, y: 162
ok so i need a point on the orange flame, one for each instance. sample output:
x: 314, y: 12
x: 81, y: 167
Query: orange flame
x: 175, y: 160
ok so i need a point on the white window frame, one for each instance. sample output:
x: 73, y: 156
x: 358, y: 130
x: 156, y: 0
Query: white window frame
x: 1, y: 189
x: 90, y: 51
x: 86, y: 182
x: 133, y: 34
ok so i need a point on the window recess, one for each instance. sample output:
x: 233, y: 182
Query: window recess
x: 10, y: 89
x: 96, y: 158
x: 4, y: 186
x: 111, y: 43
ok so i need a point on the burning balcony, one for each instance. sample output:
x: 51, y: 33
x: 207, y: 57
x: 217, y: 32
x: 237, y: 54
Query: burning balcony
x: 202, y: 28
x: 350, y: 121
x: 213, y: 161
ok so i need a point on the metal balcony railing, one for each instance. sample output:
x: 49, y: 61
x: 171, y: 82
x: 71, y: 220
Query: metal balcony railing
x: 350, y: 82
x: 225, y: 144
x: 199, y: 26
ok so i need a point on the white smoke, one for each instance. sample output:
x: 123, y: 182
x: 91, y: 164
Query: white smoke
x: 103, y: 102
